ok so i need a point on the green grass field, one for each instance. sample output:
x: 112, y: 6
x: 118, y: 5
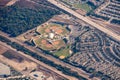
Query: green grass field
x: 83, y: 6
x: 62, y: 43
x: 63, y: 52
x: 41, y: 30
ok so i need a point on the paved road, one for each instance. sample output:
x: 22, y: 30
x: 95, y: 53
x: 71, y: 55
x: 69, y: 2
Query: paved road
x: 107, y: 2
x: 105, y: 30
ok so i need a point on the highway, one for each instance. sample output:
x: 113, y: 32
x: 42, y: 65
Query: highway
x: 103, y: 29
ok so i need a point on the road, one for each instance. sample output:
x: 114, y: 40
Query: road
x: 106, y: 2
x: 103, y: 29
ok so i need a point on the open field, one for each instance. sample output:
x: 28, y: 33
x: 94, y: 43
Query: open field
x: 10, y: 55
x: 20, y: 62
x: 63, y: 53
x: 85, y: 7
x: 77, y: 5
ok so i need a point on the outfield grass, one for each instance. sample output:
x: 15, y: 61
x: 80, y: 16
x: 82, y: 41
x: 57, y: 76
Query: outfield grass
x: 53, y: 24
x: 62, y: 43
x: 63, y: 52
x: 41, y: 45
x: 41, y: 30
x: 37, y: 41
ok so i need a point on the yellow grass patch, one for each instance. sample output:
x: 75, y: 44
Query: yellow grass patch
x: 62, y: 57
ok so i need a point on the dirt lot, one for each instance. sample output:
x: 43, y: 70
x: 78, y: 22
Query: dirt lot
x: 14, y: 59
x: 2, y: 49
x: 10, y: 55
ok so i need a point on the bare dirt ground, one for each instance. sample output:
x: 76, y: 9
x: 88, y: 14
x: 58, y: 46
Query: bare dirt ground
x: 21, y: 66
x: 11, y: 2
x: 2, y: 49
x: 56, y: 42
x: 14, y: 59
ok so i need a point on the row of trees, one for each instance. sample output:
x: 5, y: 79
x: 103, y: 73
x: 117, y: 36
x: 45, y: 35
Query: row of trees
x: 115, y: 21
x: 64, y: 69
x: 99, y: 16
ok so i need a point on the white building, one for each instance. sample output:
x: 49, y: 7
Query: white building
x: 51, y: 35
